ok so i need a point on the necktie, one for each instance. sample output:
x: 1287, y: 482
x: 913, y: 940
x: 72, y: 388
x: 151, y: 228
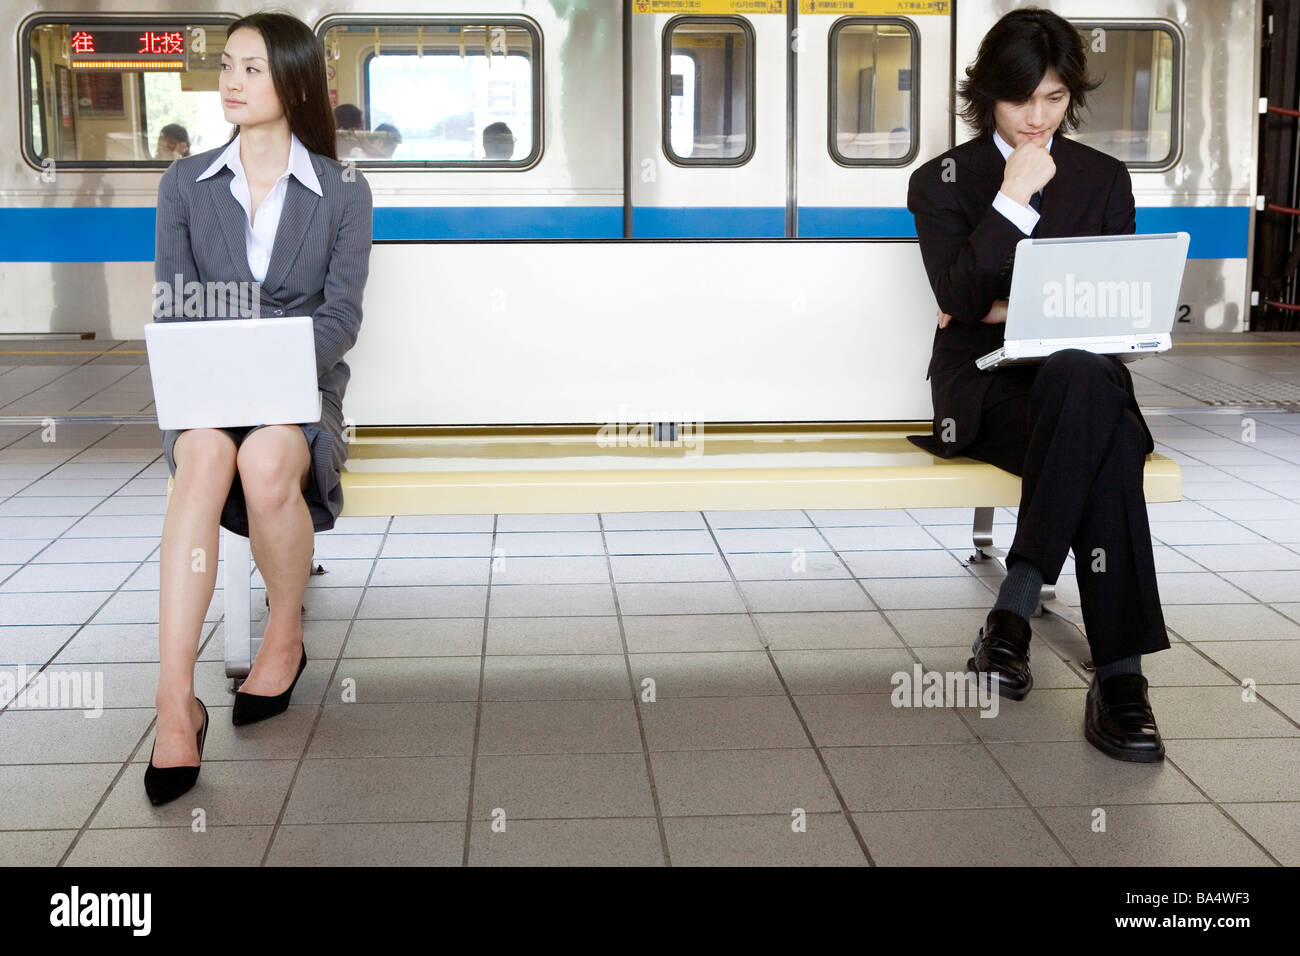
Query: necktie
x: 1036, y: 201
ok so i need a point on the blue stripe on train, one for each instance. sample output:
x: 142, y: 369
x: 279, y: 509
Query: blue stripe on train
x: 1218, y: 232
x: 498, y: 222
x: 708, y: 222
x: 83, y: 234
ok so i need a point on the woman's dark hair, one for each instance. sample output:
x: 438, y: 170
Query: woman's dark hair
x: 1014, y: 57
x: 297, y: 62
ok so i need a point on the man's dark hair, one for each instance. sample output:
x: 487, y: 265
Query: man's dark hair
x: 1014, y: 57
x: 348, y: 116
x: 498, y: 141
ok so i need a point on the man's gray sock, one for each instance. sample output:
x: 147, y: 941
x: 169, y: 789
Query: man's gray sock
x: 1128, y: 665
x: 1021, y: 590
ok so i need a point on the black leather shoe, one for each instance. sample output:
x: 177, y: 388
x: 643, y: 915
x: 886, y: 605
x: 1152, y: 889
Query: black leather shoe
x: 250, y: 708
x: 1003, y: 649
x: 1118, y: 720
x: 165, y: 784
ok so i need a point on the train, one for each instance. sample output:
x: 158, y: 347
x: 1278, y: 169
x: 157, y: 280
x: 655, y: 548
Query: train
x: 584, y: 203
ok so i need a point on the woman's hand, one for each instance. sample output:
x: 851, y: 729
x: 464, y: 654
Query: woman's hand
x: 997, y: 314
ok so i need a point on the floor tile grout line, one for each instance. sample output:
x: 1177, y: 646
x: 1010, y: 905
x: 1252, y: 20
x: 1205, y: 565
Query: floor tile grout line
x: 320, y: 707
x: 478, y: 699
x: 1206, y: 657
x: 93, y: 614
x: 636, y: 701
x: 966, y: 720
x: 789, y: 696
x: 129, y: 762
x: 1220, y: 516
x: 971, y: 728
x: 1173, y: 762
x: 72, y: 367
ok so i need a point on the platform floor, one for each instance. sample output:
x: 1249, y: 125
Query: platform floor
x: 515, y: 692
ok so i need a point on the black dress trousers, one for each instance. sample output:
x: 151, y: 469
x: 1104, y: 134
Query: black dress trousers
x: 1064, y: 426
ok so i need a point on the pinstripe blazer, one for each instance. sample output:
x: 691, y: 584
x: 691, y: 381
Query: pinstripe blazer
x: 319, y: 261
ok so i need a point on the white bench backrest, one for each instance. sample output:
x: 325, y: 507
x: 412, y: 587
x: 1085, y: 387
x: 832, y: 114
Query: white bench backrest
x: 515, y: 333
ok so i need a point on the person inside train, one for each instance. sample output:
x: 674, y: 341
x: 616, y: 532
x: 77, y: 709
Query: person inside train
x: 306, y: 233
x: 384, y: 140
x: 173, y: 142
x: 1069, y: 426
x: 348, y: 116
x: 498, y: 141
x: 349, y: 122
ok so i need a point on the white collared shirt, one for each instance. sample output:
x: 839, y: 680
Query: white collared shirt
x: 259, y: 233
x: 1025, y: 218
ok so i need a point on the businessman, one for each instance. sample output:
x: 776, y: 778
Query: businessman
x: 1069, y: 426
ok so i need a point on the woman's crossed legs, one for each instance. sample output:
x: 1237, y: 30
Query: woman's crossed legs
x: 273, y: 464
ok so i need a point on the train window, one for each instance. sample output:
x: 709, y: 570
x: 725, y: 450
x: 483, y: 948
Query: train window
x: 708, y: 91
x: 873, y: 85
x: 1134, y: 114
x: 119, y: 92
x: 434, y: 93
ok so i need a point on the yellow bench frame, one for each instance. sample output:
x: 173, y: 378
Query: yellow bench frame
x: 575, y: 469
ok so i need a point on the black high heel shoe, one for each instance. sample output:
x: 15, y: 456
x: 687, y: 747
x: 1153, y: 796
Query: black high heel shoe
x: 250, y: 708
x: 164, y: 784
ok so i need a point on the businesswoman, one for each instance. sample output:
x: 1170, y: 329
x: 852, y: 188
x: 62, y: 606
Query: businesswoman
x: 272, y: 207
x: 1070, y: 426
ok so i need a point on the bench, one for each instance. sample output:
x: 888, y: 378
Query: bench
x: 575, y: 469
x: 729, y: 331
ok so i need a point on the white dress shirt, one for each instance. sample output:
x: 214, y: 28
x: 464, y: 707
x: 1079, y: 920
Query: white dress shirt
x: 259, y: 230
x: 1025, y: 218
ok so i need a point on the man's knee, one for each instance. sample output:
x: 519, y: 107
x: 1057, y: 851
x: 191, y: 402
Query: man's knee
x: 1077, y: 362
x: 1075, y: 368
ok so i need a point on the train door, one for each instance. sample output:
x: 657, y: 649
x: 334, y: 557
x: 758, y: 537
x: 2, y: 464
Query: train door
x: 872, y: 106
x: 1178, y: 104
x: 709, y: 119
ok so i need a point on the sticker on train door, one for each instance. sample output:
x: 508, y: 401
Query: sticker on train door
x: 877, y: 8
x: 709, y: 7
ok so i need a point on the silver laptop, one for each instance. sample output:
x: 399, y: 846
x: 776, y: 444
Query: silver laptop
x: 1113, y: 295
x: 233, y: 372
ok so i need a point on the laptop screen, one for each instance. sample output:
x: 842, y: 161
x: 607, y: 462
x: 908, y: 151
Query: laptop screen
x: 1095, y: 286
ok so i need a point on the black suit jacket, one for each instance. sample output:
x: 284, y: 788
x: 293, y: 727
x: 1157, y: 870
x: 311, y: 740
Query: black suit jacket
x: 969, y: 248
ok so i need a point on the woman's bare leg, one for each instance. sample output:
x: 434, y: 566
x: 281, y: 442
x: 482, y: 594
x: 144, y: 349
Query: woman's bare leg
x: 273, y: 467
x: 187, y: 573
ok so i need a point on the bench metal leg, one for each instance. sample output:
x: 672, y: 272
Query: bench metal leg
x: 982, y: 536
x: 239, y: 607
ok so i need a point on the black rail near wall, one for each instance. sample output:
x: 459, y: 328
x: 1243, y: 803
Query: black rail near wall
x: 1277, y: 227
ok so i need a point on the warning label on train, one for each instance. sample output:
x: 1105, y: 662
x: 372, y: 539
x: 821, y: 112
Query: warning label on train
x: 709, y: 6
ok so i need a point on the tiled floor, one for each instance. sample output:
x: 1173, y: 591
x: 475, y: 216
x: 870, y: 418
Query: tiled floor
x: 650, y: 688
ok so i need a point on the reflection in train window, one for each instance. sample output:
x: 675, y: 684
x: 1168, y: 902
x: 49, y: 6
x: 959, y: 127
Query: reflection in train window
x: 36, y: 104
x: 123, y: 92
x: 873, y: 83
x: 1133, y: 115
x: 434, y: 93
x: 708, y: 108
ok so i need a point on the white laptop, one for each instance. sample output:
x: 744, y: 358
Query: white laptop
x: 233, y: 372
x: 1113, y: 295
